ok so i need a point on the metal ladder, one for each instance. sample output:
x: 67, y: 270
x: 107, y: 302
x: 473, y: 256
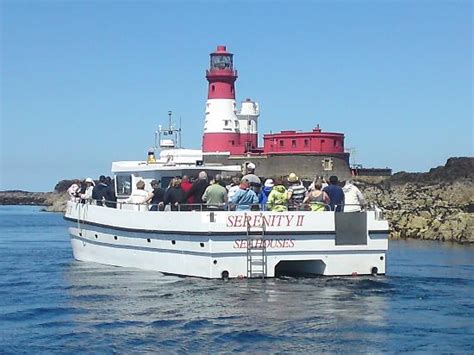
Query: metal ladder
x: 256, y: 251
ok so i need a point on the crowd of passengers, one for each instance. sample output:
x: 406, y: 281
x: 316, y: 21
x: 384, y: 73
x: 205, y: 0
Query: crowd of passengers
x: 243, y: 193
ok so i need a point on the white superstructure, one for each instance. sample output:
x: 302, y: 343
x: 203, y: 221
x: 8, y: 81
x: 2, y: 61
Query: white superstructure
x: 248, y: 117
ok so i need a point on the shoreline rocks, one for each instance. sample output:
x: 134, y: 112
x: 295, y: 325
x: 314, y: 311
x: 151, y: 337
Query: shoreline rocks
x: 52, y: 201
x: 437, y: 205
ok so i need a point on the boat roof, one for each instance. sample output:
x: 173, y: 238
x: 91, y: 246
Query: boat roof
x: 134, y: 166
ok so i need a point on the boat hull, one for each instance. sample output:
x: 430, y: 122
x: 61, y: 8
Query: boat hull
x: 214, y: 244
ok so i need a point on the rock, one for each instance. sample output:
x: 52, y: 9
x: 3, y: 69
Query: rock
x: 437, y: 205
x: 18, y: 197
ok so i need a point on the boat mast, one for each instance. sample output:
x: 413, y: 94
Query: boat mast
x: 169, y: 137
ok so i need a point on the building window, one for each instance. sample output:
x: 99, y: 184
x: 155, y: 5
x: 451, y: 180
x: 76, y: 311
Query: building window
x: 293, y: 143
x: 306, y: 143
x: 327, y: 164
x: 232, y: 142
x: 226, y: 123
x: 282, y: 142
x: 335, y: 142
x: 213, y: 88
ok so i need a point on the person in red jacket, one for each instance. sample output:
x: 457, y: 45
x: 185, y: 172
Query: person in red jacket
x: 186, y: 186
x: 198, y: 188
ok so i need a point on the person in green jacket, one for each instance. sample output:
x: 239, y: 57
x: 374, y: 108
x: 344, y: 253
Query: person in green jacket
x: 278, y: 198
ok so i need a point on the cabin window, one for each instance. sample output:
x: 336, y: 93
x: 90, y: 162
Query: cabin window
x: 123, y: 185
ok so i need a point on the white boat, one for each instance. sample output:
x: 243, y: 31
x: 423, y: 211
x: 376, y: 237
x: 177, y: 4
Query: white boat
x: 221, y: 243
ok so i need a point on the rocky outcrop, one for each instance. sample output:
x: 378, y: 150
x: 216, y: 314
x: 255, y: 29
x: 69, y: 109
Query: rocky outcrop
x: 437, y: 205
x: 53, y: 201
x: 18, y: 197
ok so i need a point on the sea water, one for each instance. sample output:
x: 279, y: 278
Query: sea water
x: 51, y: 303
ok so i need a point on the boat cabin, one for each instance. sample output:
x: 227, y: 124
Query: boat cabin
x: 128, y: 173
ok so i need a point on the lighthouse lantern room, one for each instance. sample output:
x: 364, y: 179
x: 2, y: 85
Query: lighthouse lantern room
x: 226, y: 129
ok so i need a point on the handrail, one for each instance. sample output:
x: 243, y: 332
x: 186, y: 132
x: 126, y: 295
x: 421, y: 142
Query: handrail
x: 199, y: 207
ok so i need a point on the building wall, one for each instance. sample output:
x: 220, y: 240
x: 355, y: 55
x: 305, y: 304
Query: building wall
x: 306, y: 166
x: 303, y: 142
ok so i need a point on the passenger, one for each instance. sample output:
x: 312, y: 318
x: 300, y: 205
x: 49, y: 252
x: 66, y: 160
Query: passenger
x: 335, y: 193
x: 317, y: 198
x: 89, y: 186
x: 198, y: 188
x: 139, y: 196
x: 296, y: 192
x: 186, y: 186
x: 99, y: 192
x: 174, y: 195
x: 324, y: 182
x: 110, y: 197
x: 233, y: 187
x: 321, y: 180
x: 74, y: 191
x: 254, y: 180
x: 263, y: 197
x: 215, y: 195
x: 278, y: 198
x: 156, y: 197
x: 244, y: 198
x: 354, y: 201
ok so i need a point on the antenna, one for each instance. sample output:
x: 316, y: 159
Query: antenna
x: 180, y: 132
x: 170, y: 137
x: 169, y: 119
x: 352, y: 151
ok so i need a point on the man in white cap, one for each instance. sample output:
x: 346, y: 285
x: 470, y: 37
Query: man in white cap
x: 254, y: 180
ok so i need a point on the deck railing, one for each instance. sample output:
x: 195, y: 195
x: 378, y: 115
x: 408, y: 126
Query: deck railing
x: 197, y: 207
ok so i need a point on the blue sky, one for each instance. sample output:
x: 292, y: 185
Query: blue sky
x: 87, y: 83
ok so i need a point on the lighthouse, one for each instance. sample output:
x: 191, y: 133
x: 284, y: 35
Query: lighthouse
x: 227, y: 130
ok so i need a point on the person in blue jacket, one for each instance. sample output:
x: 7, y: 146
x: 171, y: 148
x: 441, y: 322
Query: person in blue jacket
x: 335, y: 193
x: 263, y: 196
x: 244, y: 198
